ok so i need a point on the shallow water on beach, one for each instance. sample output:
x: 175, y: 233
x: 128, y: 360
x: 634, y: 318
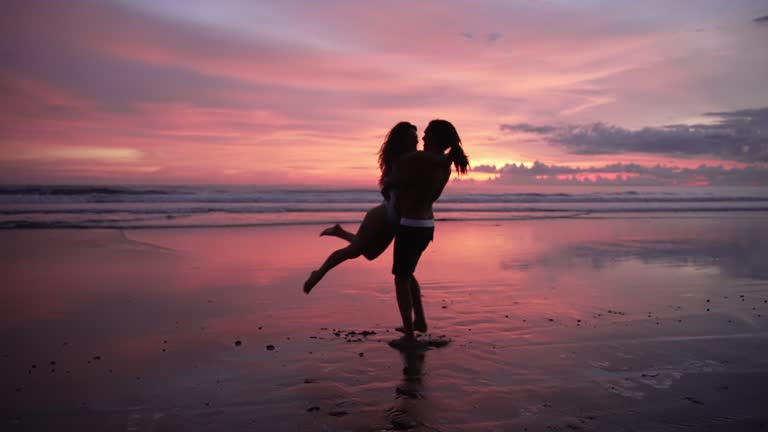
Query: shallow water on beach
x: 613, y: 324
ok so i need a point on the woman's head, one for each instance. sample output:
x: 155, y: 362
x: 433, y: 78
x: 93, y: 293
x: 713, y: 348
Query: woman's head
x: 401, y: 139
x: 440, y: 135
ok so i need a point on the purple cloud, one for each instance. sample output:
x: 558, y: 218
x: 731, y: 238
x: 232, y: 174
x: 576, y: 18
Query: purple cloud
x: 740, y: 135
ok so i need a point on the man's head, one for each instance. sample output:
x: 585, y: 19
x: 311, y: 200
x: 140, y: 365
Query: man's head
x: 439, y: 136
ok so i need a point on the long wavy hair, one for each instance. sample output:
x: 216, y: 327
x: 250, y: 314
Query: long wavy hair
x: 400, y: 140
x: 442, y: 135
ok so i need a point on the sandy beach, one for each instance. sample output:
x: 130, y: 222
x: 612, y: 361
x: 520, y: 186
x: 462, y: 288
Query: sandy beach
x: 610, y: 324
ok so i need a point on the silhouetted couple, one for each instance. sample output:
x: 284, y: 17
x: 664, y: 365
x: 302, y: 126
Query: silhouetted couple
x: 411, y: 181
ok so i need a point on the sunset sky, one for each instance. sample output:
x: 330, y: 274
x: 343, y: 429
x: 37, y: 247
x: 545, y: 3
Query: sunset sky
x: 656, y: 92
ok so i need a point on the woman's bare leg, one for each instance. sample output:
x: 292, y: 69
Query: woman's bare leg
x: 372, y: 238
x: 338, y: 231
x: 374, y: 233
x: 337, y: 257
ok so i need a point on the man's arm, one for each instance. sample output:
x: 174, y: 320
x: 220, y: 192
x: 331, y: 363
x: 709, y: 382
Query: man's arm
x: 445, y: 175
x: 404, y: 171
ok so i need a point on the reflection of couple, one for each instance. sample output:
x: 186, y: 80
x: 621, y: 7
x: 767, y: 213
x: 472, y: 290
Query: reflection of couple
x: 411, y: 182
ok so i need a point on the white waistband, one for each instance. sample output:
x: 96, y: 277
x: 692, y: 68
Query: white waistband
x: 424, y: 223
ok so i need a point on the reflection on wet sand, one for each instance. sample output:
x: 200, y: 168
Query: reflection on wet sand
x: 590, y: 324
x: 407, y: 412
x: 743, y: 258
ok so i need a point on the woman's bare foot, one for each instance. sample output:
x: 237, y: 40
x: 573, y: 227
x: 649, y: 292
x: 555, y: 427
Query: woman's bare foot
x: 313, y: 279
x: 332, y: 231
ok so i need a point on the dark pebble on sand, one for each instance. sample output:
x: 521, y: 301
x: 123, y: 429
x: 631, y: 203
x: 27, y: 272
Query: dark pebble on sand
x: 308, y: 380
x: 445, y: 307
x: 707, y: 309
x: 163, y: 349
x: 313, y: 409
x: 97, y: 357
x: 270, y: 347
x: 337, y: 413
x: 207, y: 404
x: 238, y: 343
x: 360, y: 354
x: 707, y: 300
x: 34, y: 366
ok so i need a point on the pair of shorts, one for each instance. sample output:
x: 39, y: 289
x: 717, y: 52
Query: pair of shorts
x: 410, y: 242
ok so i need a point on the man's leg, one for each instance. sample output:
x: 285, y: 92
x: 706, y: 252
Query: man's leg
x: 419, y: 320
x: 404, y: 303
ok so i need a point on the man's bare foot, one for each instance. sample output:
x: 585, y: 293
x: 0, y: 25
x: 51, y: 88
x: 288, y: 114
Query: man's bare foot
x: 313, y: 279
x: 332, y: 231
x: 419, y: 326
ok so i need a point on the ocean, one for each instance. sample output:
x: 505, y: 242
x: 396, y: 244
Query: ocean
x: 127, y: 207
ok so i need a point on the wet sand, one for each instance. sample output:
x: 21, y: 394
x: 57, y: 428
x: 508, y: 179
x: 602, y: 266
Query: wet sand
x: 618, y: 324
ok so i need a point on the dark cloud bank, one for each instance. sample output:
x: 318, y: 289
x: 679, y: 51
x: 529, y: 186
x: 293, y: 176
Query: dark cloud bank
x: 735, y: 136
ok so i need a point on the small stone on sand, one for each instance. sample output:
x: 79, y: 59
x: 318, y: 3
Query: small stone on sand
x: 238, y: 343
x: 270, y: 347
